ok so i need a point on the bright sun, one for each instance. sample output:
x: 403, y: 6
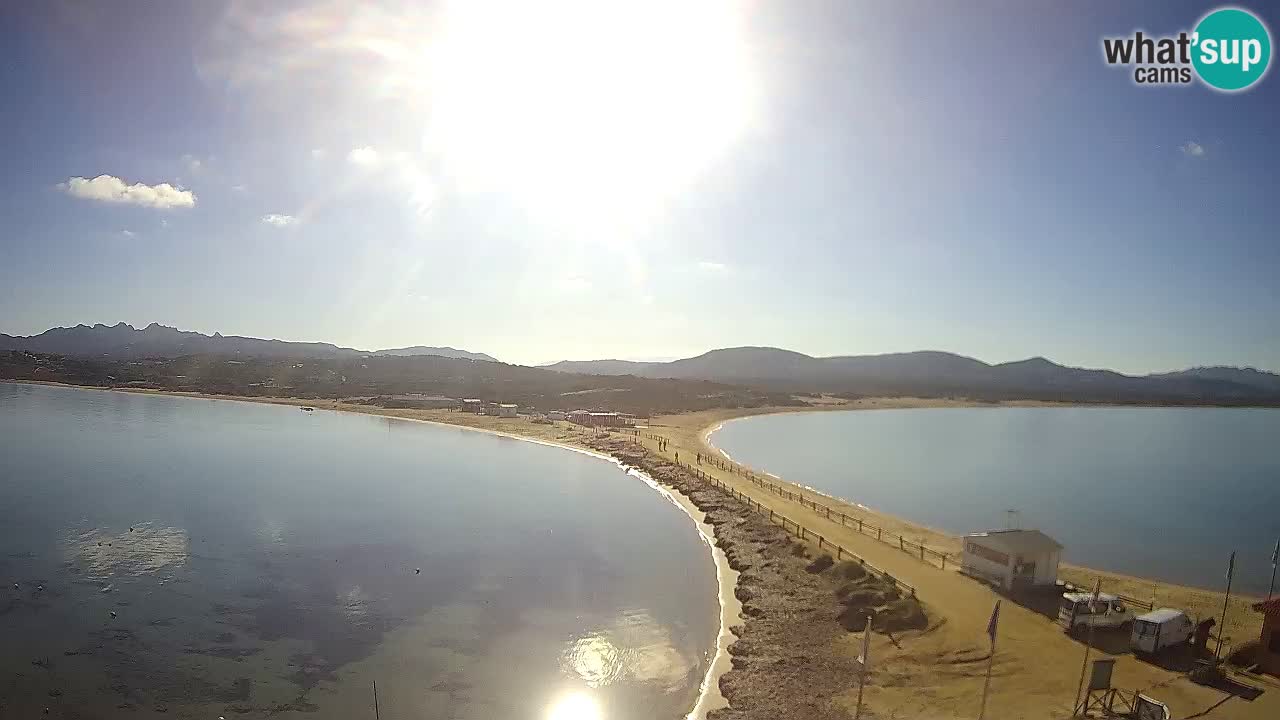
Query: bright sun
x: 575, y: 706
x: 601, y: 104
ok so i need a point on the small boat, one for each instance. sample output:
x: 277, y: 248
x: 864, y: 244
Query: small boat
x: 306, y: 408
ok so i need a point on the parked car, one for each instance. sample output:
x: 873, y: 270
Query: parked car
x: 1160, y: 629
x: 1077, y: 612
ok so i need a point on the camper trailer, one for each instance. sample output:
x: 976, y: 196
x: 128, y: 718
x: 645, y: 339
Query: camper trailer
x: 1077, y: 613
x: 1160, y: 629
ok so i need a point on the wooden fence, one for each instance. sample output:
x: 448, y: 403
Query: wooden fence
x: 925, y: 554
x: 795, y: 528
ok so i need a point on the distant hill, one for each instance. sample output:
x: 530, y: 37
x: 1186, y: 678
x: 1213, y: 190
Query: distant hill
x: 437, y: 351
x: 940, y: 374
x: 123, y: 341
x: 390, y: 381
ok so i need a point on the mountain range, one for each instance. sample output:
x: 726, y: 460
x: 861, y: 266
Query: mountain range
x: 934, y: 374
x: 924, y: 373
x: 123, y: 341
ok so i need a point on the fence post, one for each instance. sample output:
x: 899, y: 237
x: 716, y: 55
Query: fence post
x: 839, y: 550
x: 879, y: 533
x: 921, y: 553
x: 901, y: 546
x: 859, y: 524
x: 944, y: 562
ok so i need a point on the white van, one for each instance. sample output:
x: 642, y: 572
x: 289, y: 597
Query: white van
x: 1076, y: 614
x: 1160, y: 629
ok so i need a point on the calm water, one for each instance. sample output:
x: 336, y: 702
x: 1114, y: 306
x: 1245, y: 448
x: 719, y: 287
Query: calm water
x: 1154, y: 492
x: 265, y: 561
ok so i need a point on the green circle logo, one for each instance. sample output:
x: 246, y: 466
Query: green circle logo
x: 1232, y: 49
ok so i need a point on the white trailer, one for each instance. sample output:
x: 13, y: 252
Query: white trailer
x: 1160, y: 629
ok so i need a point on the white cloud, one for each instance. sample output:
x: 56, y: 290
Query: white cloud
x: 128, y: 233
x: 164, y: 223
x: 192, y: 163
x: 278, y: 220
x: 363, y: 156
x: 108, y: 188
x: 712, y: 267
x: 1192, y: 149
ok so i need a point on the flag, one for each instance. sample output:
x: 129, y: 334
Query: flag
x: 1231, y: 567
x: 991, y: 624
x: 1275, y: 555
x: 865, y: 658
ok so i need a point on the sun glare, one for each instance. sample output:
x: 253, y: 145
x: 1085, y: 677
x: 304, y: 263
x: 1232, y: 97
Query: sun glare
x: 575, y: 706
x: 611, y: 104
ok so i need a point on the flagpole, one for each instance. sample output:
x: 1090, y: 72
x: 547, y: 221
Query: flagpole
x: 866, y: 660
x: 991, y: 661
x: 1088, y: 645
x: 1275, y: 556
x: 986, y: 685
x: 1222, y: 626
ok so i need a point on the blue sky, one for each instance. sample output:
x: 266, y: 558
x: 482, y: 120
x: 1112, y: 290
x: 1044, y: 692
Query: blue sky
x: 562, y: 179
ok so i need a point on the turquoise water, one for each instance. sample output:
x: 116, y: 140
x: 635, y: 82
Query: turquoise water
x: 1165, y: 493
x: 263, y: 561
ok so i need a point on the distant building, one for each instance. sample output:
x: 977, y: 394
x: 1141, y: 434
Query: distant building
x: 507, y: 410
x: 1012, y: 559
x: 491, y: 409
x: 420, y: 401
x: 474, y: 405
x: 1268, y: 657
x: 600, y: 419
x: 556, y: 415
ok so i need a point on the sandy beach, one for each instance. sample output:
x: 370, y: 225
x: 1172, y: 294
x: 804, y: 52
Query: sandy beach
x: 933, y: 672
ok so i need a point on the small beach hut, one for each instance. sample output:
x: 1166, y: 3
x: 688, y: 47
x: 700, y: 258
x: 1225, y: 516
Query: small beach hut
x: 507, y: 410
x: 1269, y: 643
x: 1012, y: 559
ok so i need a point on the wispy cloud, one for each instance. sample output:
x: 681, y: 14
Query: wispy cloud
x: 192, y: 164
x: 111, y: 189
x: 363, y: 156
x: 1192, y: 149
x: 278, y: 220
x: 128, y: 233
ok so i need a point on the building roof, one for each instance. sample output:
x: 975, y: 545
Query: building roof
x: 507, y: 405
x: 1017, y: 541
x: 1161, y: 615
x: 1270, y: 607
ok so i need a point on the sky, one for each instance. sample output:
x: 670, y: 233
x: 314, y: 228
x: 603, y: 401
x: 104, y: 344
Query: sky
x: 568, y: 179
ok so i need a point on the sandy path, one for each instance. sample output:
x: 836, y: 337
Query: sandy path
x: 939, y: 673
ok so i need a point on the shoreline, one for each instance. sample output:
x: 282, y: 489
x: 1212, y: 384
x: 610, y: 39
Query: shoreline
x: 788, y: 613
x: 706, y: 433
x: 709, y: 696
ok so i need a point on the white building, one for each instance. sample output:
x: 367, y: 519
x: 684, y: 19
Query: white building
x: 1012, y: 559
x: 507, y: 410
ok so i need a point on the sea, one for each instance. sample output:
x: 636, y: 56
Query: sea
x: 1161, y: 493
x: 185, y: 557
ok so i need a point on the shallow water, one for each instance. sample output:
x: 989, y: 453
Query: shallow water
x: 265, y: 561
x: 1165, y: 493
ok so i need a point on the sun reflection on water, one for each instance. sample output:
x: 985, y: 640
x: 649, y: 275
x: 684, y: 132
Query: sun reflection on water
x: 575, y: 706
